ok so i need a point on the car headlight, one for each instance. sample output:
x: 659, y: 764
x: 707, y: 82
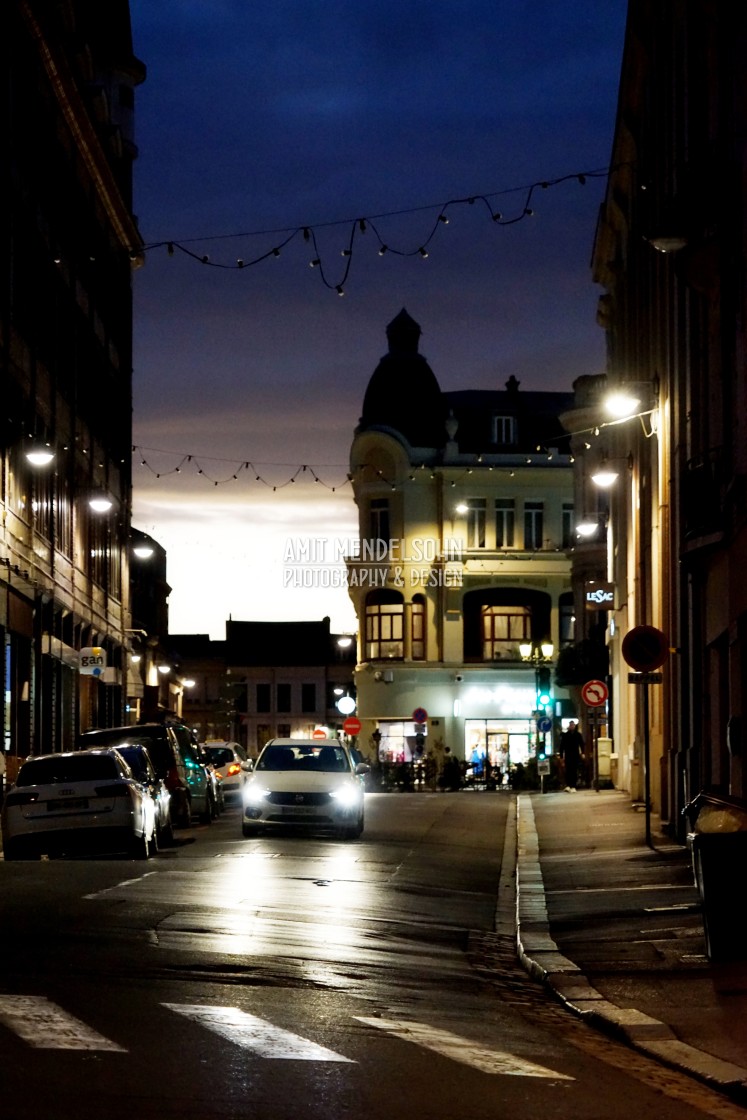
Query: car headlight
x: 254, y: 794
x: 347, y: 796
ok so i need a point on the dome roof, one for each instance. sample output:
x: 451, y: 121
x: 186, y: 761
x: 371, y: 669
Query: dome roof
x: 403, y: 392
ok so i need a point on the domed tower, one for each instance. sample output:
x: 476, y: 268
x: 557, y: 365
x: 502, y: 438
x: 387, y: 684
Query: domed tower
x: 403, y: 393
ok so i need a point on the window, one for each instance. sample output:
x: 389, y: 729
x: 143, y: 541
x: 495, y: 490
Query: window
x: 568, y: 536
x: 475, y: 517
x: 503, y: 628
x: 533, y: 524
x: 264, y: 700
x: 504, y: 430
x: 566, y: 619
x: 284, y: 731
x: 417, y: 628
x: 284, y: 698
x: 504, y: 522
x: 308, y: 697
x: 384, y: 627
x: 41, y: 502
x: 379, y: 526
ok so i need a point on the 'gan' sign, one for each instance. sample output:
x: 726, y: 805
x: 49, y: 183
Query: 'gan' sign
x: 92, y: 661
x: 599, y: 596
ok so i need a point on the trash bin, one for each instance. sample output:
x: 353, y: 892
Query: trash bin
x: 718, y: 847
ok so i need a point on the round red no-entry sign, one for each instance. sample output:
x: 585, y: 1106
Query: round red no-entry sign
x: 645, y: 648
x: 318, y: 733
x: 352, y: 725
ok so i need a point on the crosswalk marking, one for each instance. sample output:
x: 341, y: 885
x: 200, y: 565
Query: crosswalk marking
x: 46, y: 1026
x: 462, y: 1049
x: 257, y: 1035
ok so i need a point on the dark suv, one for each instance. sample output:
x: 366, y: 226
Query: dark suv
x: 175, y: 758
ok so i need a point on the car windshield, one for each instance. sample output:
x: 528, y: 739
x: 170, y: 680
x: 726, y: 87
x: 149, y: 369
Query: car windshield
x: 67, y: 768
x: 324, y: 759
x: 159, y: 749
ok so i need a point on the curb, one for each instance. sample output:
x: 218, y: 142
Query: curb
x: 542, y: 959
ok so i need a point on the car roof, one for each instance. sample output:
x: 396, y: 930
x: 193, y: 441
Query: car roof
x: 303, y: 743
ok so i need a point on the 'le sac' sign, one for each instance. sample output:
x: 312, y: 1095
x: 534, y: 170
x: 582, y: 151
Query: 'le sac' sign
x: 599, y: 596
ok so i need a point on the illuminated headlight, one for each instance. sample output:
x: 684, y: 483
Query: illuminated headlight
x: 347, y: 796
x: 254, y: 795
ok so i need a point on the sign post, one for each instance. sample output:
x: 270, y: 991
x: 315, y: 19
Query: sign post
x: 594, y: 694
x: 645, y: 648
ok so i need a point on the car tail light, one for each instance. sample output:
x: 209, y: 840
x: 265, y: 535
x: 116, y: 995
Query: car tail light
x: 21, y: 798
x: 173, y: 781
x: 120, y: 790
x: 234, y: 768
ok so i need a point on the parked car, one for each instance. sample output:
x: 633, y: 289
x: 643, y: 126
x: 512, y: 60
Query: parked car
x: 77, y: 802
x: 227, y: 758
x: 139, y: 761
x: 174, y: 756
x: 305, y: 783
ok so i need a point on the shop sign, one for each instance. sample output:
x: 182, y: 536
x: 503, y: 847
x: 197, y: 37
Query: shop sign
x: 92, y: 661
x: 599, y: 596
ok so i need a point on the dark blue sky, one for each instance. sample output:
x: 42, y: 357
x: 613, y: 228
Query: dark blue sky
x: 270, y: 117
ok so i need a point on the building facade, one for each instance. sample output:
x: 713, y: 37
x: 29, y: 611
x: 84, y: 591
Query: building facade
x: 267, y: 680
x: 461, y: 580
x: 70, y: 243
x: 670, y: 255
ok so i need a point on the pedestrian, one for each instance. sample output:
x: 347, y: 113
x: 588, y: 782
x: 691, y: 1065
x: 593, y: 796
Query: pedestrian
x: 571, y: 750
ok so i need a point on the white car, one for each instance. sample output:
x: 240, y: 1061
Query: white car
x: 77, y: 802
x: 228, y: 760
x: 305, y: 783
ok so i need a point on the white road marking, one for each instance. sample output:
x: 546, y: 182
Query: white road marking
x: 257, y: 1035
x: 46, y: 1026
x: 124, y: 883
x: 462, y: 1050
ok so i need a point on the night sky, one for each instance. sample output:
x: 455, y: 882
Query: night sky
x: 260, y: 120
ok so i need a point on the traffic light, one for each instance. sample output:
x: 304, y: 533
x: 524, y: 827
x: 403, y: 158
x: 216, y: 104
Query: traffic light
x: 544, y: 687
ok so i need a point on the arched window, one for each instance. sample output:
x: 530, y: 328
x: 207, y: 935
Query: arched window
x: 497, y: 619
x: 417, y: 628
x: 385, y: 613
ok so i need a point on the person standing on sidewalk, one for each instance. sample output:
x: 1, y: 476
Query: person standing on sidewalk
x: 571, y: 750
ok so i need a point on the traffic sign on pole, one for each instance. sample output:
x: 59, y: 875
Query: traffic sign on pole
x: 419, y: 715
x: 594, y: 693
x: 645, y: 648
x: 352, y: 725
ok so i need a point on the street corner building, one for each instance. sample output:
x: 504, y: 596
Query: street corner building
x: 465, y: 505
x: 70, y: 243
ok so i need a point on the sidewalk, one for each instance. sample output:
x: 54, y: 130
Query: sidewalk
x: 614, y: 927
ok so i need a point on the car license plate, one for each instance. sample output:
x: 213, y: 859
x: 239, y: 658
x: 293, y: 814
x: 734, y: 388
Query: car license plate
x: 299, y: 810
x: 73, y: 803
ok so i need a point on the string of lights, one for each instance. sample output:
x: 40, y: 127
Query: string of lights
x: 357, y: 227
x: 305, y: 473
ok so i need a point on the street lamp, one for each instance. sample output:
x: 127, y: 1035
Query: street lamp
x: 540, y: 655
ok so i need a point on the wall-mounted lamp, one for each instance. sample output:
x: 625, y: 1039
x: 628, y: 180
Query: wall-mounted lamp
x: 164, y: 669
x: 143, y: 551
x: 604, y: 477
x: 587, y: 528
x: 40, y: 455
x: 99, y: 503
x: 136, y: 658
x: 188, y: 683
x: 344, y: 641
x: 670, y: 242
